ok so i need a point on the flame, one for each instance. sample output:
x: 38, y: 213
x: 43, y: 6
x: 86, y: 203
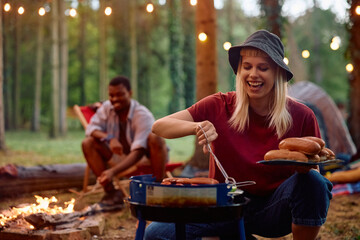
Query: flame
x: 44, y: 205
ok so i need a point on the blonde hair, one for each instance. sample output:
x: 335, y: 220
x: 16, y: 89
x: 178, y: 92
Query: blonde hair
x: 280, y: 118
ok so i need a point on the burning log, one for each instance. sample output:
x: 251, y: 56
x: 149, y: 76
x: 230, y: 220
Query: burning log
x: 42, y: 220
x: 47, y: 221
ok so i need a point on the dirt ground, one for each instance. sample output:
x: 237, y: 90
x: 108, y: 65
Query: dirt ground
x: 342, y: 222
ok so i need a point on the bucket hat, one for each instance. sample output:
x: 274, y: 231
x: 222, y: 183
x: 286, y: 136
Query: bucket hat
x: 265, y: 41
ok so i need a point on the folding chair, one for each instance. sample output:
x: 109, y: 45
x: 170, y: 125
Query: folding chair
x: 84, y: 113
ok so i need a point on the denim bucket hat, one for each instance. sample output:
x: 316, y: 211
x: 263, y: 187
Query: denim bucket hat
x: 265, y: 41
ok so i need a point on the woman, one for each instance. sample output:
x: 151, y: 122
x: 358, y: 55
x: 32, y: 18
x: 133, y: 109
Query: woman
x: 242, y: 126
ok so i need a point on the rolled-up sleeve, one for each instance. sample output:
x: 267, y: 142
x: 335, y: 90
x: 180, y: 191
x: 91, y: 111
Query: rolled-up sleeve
x: 98, y: 121
x: 141, y: 124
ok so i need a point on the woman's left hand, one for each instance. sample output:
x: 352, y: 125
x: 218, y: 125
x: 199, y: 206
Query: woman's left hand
x: 306, y: 169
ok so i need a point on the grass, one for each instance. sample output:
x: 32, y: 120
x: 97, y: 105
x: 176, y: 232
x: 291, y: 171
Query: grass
x: 26, y: 148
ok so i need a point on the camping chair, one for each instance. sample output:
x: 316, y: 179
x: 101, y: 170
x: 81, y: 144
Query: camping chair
x: 84, y: 113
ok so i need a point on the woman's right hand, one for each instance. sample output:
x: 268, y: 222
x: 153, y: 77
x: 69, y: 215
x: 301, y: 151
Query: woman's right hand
x: 206, y: 134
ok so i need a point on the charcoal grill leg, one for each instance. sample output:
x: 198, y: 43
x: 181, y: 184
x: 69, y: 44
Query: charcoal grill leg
x: 180, y: 231
x: 140, y: 230
x: 241, y: 229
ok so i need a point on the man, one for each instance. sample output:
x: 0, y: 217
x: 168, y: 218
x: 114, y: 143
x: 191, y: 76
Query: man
x: 122, y: 127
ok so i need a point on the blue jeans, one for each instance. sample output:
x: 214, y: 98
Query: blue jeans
x: 302, y: 199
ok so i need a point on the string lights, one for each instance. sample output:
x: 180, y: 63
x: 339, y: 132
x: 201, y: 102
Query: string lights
x: 150, y: 7
x: 108, y: 11
x: 21, y: 10
x: 227, y: 45
x: 193, y: 2
x: 42, y: 11
x: 202, y: 36
x: 72, y: 12
x: 7, y: 7
x: 349, y: 67
x: 305, y: 54
x: 357, y: 10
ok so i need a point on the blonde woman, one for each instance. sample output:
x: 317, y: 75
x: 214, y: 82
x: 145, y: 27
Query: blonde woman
x: 242, y: 126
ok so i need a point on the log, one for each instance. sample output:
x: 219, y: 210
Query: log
x: 42, y: 220
x: 43, y: 177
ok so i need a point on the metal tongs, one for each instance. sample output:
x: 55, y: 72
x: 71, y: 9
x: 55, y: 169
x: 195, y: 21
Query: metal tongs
x: 228, y: 180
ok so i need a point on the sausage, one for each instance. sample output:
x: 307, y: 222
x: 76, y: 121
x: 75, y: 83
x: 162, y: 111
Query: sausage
x: 303, y: 145
x: 203, y: 180
x: 286, y: 154
x: 189, y: 181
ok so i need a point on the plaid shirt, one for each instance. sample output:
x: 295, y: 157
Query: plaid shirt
x: 138, y: 127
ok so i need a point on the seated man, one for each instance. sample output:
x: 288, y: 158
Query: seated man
x: 122, y: 127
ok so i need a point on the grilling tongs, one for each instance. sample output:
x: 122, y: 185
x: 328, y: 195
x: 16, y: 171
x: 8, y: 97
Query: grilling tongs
x: 228, y: 180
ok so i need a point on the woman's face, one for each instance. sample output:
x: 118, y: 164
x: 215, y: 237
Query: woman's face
x: 258, y: 76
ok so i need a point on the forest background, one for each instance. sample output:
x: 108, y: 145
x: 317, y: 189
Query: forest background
x: 54, y: 61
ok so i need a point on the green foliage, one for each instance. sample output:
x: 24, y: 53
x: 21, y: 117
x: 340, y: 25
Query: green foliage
x: 166, y: 53
x: 314, y: 32
x: 235, y: 30
x: 175, y: 36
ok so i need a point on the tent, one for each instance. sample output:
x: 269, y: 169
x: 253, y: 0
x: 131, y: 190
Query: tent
x: 332, y: 124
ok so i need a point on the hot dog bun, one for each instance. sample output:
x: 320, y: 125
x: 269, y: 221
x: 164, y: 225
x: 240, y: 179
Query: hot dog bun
x: 316, y: 139
x: 285, y: 154
x: 324, y: 154
x: 314, y: 158
x: 331, y: 153
x: 303, y: 145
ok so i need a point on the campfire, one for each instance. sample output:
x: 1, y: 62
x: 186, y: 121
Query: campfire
x: 45, y: 219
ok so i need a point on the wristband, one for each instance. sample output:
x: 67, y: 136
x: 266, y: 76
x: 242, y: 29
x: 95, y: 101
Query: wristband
x: 107, y: 138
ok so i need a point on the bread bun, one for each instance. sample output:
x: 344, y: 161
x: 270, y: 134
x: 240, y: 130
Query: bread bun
x: 285, y: 154
x: 316, y: 139
x: 303, y: 145
x: 331, y: 153
x: 324, y: 154
x: 314, y: 158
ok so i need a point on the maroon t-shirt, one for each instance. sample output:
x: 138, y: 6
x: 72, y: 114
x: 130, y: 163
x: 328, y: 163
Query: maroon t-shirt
x: 239, y: 152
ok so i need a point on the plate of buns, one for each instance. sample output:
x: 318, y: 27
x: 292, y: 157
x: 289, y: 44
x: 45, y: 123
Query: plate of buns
x: 300, y: 151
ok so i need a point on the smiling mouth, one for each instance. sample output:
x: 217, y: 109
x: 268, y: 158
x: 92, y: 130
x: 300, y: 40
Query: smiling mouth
x: 255, y: 84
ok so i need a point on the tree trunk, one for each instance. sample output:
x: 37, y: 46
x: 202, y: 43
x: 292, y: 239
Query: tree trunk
x: 229, y: 6
x: 17, y: 79
x: 206, y: 64
x: 2, y: 124
x: 354, y: 47
x: 8, y: 46
x: 103, y: 53
x: 38, y: 75
x: 272, y: 11
x: 133, y: 49
x: 54, y: 131
x: 81, y: 52
x: 175, y: 54
x: 188, y: 62
x: 63, y: 67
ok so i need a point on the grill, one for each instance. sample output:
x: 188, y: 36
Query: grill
x: 152, y: 201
